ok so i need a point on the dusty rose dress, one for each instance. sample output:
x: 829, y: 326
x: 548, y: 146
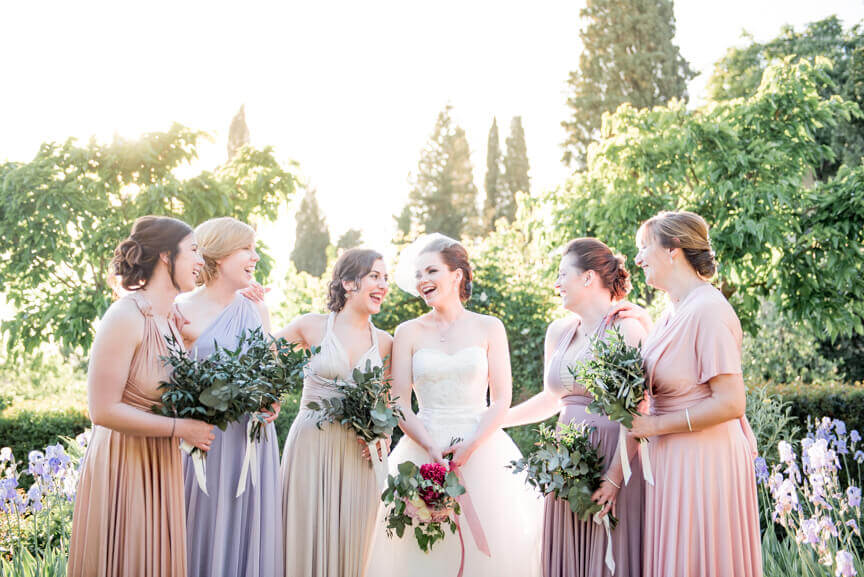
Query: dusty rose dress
x: 129, y: 518
x: 701, y: 517
x: 574, y: 548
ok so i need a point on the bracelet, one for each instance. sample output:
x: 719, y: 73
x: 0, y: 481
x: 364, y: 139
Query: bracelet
x: 611, y: 481
x: 687, y: 414
x: 173, y: 426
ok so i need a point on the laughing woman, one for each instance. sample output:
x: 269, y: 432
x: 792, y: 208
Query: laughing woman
x: 128, y: 519
x: 227, y: 535
x: 701, y: 517
x: 329, y: 494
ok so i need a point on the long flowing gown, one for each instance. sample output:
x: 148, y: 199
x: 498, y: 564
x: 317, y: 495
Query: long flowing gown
x: 329, y: 494
x: 226, y: 535
x: 572, y: 547
x: 128, y: 519
x: 701, y: 516
x: 451, y: 392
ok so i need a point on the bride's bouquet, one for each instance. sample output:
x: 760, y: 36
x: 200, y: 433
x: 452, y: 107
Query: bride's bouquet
x: 615, y: 377
x: 367, y: 407
x: 567, y: 465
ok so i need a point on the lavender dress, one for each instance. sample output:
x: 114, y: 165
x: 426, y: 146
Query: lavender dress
x: 574, y: 548
x: 233, y: 536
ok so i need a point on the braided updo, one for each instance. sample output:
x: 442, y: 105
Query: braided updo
x: 135, y: 258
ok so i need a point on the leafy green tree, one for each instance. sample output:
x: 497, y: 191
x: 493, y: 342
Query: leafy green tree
x: 740, y: 71
x: 238, y: 133
x: 312, y: 237
x: 444, y: 198
x: 62, y: 214
x: 743, y: 165
x: 491, y: 205
x: 516, y: 167
x: 350, y: 238
x: 628, y: 56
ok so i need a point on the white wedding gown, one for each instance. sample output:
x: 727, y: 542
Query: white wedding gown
x: 451, y: 392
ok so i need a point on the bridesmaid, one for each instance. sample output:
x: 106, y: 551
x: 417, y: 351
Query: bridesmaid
x: 329, y: 493
x: 128, y: 516
x: 590, y: 280
x: 228, y: 536
x: 701, y: 517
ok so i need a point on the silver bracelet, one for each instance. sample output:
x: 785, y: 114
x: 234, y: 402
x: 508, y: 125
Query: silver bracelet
x: 687, y: 414
x: 611, y: 481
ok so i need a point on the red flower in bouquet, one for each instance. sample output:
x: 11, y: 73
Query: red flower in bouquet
x: 436, y: 473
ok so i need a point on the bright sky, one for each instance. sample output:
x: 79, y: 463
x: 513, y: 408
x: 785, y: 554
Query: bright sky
x: 349, y: 89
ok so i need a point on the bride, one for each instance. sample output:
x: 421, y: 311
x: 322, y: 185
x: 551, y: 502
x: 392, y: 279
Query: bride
x: 450, y: 357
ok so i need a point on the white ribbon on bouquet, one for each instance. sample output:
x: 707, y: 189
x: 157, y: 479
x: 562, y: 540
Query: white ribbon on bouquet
x: 647, y: 473
x: 610, y: 558
x: 199, y: 463
x: 379, y: 462
x: 250, y: 461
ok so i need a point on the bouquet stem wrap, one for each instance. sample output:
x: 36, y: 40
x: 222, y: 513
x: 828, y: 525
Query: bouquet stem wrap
x: 471, y: 516
x: 250, y: 461
x: 379, y: 462
x: 199, y: 463
x: 610, y: 557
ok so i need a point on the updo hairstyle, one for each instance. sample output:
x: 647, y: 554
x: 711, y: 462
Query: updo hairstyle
x: 135, y: 258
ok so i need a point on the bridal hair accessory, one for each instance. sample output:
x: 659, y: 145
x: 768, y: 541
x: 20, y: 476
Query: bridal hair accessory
x: 406, y: 272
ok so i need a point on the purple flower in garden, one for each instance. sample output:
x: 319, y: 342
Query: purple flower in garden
x: 84, y: 438
x: 820, y: 456
x: 853, y: 525
x: 859, y: 457
x: 809, y: 532
x: 787, y: 455
x: 35, y: 496
x: 37, y: 466
x: 761, y: 469
x: 839, y: 428
x: 56, y: 457
x: 829, y: 527
x: 845, y: 565
x: 5, y: 454
x: 853, y: 493
x: 854, y: 436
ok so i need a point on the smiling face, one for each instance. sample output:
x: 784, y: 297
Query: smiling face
x: 369, y: 292
x: 570, y: 283
x: 238, y: 268
x: 187, y: 263
x: 654, y: 259
x: 436, y: 283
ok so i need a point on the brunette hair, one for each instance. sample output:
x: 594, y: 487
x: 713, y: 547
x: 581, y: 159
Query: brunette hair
x: 592, y: 254
x: 454, y: 256
x: 687, y: 231
x: 353, y: 265
x: 218, y: 238
x: 135, y: 258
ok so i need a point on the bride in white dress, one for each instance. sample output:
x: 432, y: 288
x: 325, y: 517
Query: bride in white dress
x: 451, y: 357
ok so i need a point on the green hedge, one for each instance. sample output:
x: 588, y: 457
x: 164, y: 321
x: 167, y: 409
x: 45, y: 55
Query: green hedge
x: 844, y: 402
x: 25, y: 430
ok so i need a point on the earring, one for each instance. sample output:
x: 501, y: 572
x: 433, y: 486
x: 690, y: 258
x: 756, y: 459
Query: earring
x: 587, y: 282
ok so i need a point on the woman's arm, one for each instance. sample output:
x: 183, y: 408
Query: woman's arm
x: 295, y: 331
x: 110, y: 359
x: 500, y: 394
x: 403, y: 380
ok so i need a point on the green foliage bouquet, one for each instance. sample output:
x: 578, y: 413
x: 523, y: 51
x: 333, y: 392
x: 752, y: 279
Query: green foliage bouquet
x: 367, y: 407
x: 567, y: 465
x: 615, y: 377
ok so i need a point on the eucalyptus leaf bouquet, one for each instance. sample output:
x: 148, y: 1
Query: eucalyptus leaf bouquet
x: 367, y: 407
x: 566, y: 464
x: 615, y: 376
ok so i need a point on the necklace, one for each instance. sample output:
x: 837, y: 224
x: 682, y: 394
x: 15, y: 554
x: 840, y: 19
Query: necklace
x: 443, y: 334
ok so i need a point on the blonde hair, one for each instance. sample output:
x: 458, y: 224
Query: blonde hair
x: 218, y: 238
x: 687, y: 231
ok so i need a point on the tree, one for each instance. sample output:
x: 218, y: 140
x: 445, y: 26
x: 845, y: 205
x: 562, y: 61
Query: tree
x: 238, y: 133
x: 628, y: 56
x: 350, y: 238
x: 740, y: 71
x: 516, y: 167
x: 62, y: 214
x: 443, y: 197
x: 742, y: 165
x: 491, y: 205
x: 313, y: 237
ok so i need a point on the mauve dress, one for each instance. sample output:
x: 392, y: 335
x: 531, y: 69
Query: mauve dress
x: 575, y: 548
x: 128, y: 517
x: 329, y: 493
x: 233, y: 536
x: 701, y: 516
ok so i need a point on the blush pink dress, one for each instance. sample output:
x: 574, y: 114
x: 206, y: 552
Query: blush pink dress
x: 701, y: 516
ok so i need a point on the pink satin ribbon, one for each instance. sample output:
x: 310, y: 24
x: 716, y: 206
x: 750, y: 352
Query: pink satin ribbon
x: 473, y: 520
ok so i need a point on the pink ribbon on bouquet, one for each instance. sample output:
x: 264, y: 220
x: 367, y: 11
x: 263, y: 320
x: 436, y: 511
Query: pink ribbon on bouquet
x: 472, y: 518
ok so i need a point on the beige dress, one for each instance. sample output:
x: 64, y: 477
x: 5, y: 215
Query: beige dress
x: 701, y: 516
x: 329, y: 495
x: 129, y: 518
